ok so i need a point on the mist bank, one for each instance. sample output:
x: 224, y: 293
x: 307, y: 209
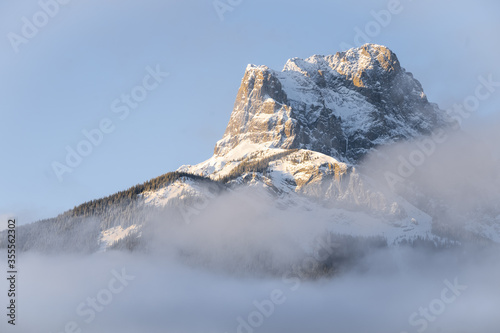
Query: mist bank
x: 390, y: 291
x: 453, y: 175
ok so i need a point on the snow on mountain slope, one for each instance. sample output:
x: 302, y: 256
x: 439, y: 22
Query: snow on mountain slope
x: 110, y: 236
x: 220, y: 166
x: 321, y: 187
x: 173, y: 193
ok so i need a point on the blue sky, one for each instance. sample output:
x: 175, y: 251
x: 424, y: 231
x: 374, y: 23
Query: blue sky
x: 64, y: 79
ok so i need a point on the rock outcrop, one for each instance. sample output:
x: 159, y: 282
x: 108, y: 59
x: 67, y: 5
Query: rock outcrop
x: 342, y: 105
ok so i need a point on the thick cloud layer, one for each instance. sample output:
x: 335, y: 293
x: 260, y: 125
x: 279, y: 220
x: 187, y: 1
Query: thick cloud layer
x: 460, y: 294
x: 456, y: 172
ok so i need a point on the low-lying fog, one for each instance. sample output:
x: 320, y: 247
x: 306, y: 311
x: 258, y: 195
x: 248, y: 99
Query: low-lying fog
x: 124, y: 292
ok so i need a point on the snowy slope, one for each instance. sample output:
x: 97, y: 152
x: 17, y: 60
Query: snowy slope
x: 307, y: 181
x: 109, y: 236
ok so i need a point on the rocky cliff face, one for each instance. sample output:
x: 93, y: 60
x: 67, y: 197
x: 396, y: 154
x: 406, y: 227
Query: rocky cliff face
x: 342, y: 105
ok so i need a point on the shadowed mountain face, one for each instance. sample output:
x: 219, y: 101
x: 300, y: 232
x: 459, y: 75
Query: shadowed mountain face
x: 342, y: 105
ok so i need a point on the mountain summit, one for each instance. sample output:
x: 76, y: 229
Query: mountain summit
x: 342, y: 105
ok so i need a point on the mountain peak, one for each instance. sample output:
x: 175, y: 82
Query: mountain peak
x: 358, y: 65
x: 342, y: 105
x: 365, y: 63
x: 252, y: 67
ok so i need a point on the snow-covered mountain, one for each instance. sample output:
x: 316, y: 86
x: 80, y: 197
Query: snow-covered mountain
x: 297, y: 137
x: 342, y: 105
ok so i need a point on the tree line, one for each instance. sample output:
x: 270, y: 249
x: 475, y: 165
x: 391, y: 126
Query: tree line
x: 99, y: 206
